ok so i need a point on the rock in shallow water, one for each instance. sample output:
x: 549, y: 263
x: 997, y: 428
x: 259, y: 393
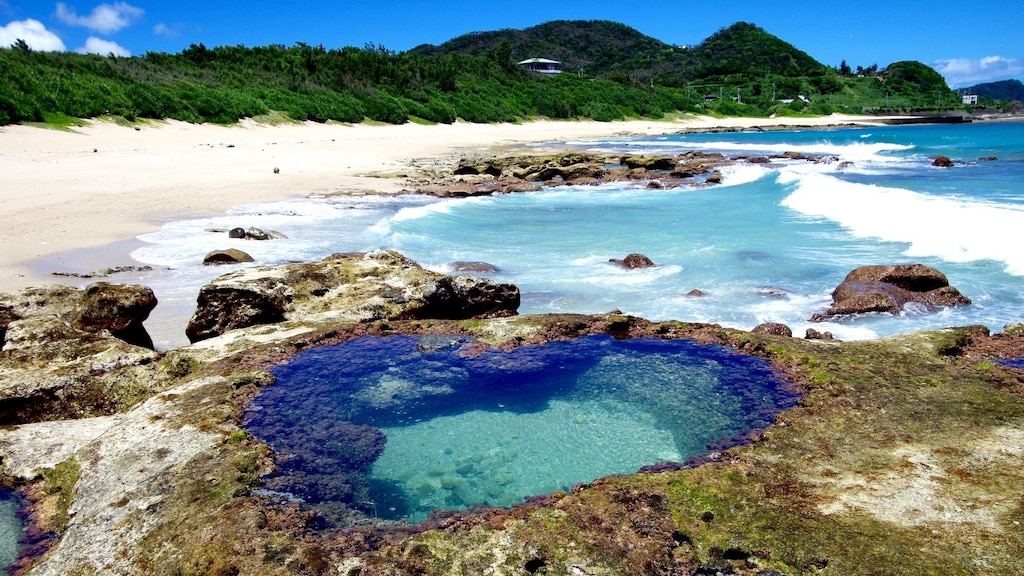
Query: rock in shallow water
x: 634, y: 261
x: 890, y: 289
x: 229, y: 256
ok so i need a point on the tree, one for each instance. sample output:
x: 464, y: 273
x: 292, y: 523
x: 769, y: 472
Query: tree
x: 20, y: 44
x: 844, y: 69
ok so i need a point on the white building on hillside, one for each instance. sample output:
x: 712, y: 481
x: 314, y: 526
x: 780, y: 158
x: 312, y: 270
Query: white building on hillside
x: 542, y: 65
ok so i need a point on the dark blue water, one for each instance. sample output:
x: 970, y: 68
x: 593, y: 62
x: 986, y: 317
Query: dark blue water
x: 1012, y: 362
x: 377, y: 427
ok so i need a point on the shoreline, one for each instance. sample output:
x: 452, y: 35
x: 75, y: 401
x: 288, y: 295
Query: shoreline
x: 75, y: 200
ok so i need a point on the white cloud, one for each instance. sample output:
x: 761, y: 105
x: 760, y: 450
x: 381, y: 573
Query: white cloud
x: 166, y: 31
x: 105, y: 18
x: 969, y: 71
x: 33, y: 33
x: 94, y: 45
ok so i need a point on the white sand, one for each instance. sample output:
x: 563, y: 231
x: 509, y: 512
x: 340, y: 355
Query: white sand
x: 103, y: 184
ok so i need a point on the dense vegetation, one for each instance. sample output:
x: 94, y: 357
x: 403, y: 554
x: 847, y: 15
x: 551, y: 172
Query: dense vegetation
x: 614, y: 72
x: 996, y: 93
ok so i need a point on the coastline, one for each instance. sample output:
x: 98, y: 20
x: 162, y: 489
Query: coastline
x: 73, y: 200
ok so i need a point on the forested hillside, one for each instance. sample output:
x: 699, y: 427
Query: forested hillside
x: 612, y: 72
x: 599, y: 48
x: 1003, y: 91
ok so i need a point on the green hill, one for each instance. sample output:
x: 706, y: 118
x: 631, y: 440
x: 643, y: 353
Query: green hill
x: 595, y: 46
x: 1003, y: 90
x: 747, y: 50
x: 600, y: 48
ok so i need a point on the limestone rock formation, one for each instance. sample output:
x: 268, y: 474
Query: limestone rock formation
x: 59, y: 348
x: 889, y: 289
x: 344, y: 287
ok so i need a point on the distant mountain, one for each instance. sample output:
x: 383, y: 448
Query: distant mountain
x: 1003, y: 90
x: 600, y: 47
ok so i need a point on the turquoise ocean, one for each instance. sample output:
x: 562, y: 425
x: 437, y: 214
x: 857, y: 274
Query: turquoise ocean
x: 769, y: 244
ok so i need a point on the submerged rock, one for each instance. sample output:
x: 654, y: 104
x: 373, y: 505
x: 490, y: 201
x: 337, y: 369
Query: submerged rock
x: 462, y: 266
x: 889, y: 289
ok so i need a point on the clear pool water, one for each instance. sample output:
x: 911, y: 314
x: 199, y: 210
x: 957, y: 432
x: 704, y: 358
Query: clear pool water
x: 397, y: 428
x: 10, y: 527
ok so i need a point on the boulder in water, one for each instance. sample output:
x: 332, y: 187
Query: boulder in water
x: 634, y: 261
x: 229, y: 256
x: 889, y: 289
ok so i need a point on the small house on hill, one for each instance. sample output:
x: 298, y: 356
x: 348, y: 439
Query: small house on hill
x: 542, y: 65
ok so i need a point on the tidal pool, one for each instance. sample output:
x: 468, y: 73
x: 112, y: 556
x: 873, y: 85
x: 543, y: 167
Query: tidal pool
x: 399, y: 427
x: 10, y: 527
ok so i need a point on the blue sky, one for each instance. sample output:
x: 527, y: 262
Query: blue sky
x: 968, y: 42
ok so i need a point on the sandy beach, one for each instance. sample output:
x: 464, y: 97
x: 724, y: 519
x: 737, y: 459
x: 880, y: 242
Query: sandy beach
x: 75, y: 200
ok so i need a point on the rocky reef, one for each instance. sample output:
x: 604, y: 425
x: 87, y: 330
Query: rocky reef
x: 903, y: 455
x: 481, y: 176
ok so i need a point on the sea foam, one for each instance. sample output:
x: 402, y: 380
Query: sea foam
x: 953, y: 229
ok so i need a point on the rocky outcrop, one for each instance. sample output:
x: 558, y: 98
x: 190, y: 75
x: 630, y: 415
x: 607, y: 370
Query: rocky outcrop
x: 942, y: 162
x: 174, y: 486
x: 62, y: 346
x: 478, y: 176
x: 344, y: 287
x: 889, y: 289
x: 465, y: 296
x: 634, y: 261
